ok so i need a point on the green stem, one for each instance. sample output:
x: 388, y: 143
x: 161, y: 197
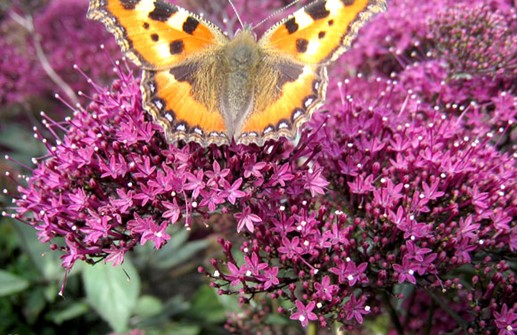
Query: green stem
x: 393, y: 314
x: 312, y: 329
x: 459, y: 320
x: 429, y: 323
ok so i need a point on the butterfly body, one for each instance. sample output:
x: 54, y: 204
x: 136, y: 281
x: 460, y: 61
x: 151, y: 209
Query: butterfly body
x: 239, y: 71
x: 201, y: 86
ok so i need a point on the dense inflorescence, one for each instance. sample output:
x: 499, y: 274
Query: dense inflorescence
x: 476, y: 40
x: 403, y: 189
x: 113, y: 182
x: 68, y: 38
x: 414, y: 196
x: 18, y: 77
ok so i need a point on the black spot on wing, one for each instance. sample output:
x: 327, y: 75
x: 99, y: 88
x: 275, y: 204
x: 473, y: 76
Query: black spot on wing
x: 301, y: 45
x: 146, y: 25
x: 317, y: 10
x: 288, y: 72
x: 162, y: 11
x: 155, y: 37
x: 129, y: 4
x: 190, y: 25
x: 321, y: 34
x: 184, y: 72
x: 176, y: 47
x: 291, y: 25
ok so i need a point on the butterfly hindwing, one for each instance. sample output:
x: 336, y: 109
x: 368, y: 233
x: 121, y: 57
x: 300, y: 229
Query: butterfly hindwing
x: 168, y: 95
x: 153, y: 33
x: 300, y: 90
x: 321, y: 31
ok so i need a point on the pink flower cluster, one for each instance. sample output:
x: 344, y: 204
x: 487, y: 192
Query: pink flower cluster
x: 43, y: 44
x: 403, y: 190
x: 113, y: 182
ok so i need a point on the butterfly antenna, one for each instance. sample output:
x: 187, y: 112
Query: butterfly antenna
x: 275, y: 13
x: 236, y: 13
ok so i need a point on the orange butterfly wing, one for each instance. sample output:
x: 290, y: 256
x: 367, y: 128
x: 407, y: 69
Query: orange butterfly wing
x: 155, y: 34
x: 320, y: 32
x: 309, y: 39
x: 160, y: 37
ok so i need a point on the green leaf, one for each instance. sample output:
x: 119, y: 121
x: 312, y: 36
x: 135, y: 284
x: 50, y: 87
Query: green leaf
x: 111, y: 293
x: 73, y: 311
x: 206, y: 307
x: 35, y: 304
x: 176, y: 255
x: 20, y: 140
x: 230, y: 302
x: 185, y: 329
x: 175, y: 328
x: 46, y: 260
x: 148, y: 306
x: 10, y: 283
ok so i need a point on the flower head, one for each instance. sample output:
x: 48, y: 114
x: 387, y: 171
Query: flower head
x: 113, y: 182
x: 68, y: 38
x: 476, y: 40
x: 403, y: 181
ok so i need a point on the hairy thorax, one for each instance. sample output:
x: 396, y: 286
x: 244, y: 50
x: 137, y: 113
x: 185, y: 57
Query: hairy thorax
x: 239, y: 80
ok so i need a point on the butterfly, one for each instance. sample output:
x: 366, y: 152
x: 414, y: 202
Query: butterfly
x: 199, y: 85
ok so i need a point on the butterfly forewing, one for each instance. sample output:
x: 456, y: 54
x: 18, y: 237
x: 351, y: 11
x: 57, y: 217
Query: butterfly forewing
x: 321, y: 31
x: 153, y: 33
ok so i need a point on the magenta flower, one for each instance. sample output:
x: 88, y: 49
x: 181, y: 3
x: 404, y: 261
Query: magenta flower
x: 304, y: 313
x: 356, y: 309
x: 405, y: 271
x: 270, y: 277
x: 247, y: 219
x: 325, y: 290
x: 506, y: 321
x: 316, y: 183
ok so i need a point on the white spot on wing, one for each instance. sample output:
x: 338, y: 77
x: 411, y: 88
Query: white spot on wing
x: 143, y: 8
x: 313, y: 47
x: 181, y: 127
x: 163, y: 49
x: 169, y: 117
x: 308, y: 102
x: 283, y: 125
x: 158, y: 104
x: 334, y: 6
x: 303, y: 19
x: 176, y: 20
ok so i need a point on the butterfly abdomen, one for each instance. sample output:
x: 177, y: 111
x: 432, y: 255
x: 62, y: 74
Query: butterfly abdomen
x: 239, y: 65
